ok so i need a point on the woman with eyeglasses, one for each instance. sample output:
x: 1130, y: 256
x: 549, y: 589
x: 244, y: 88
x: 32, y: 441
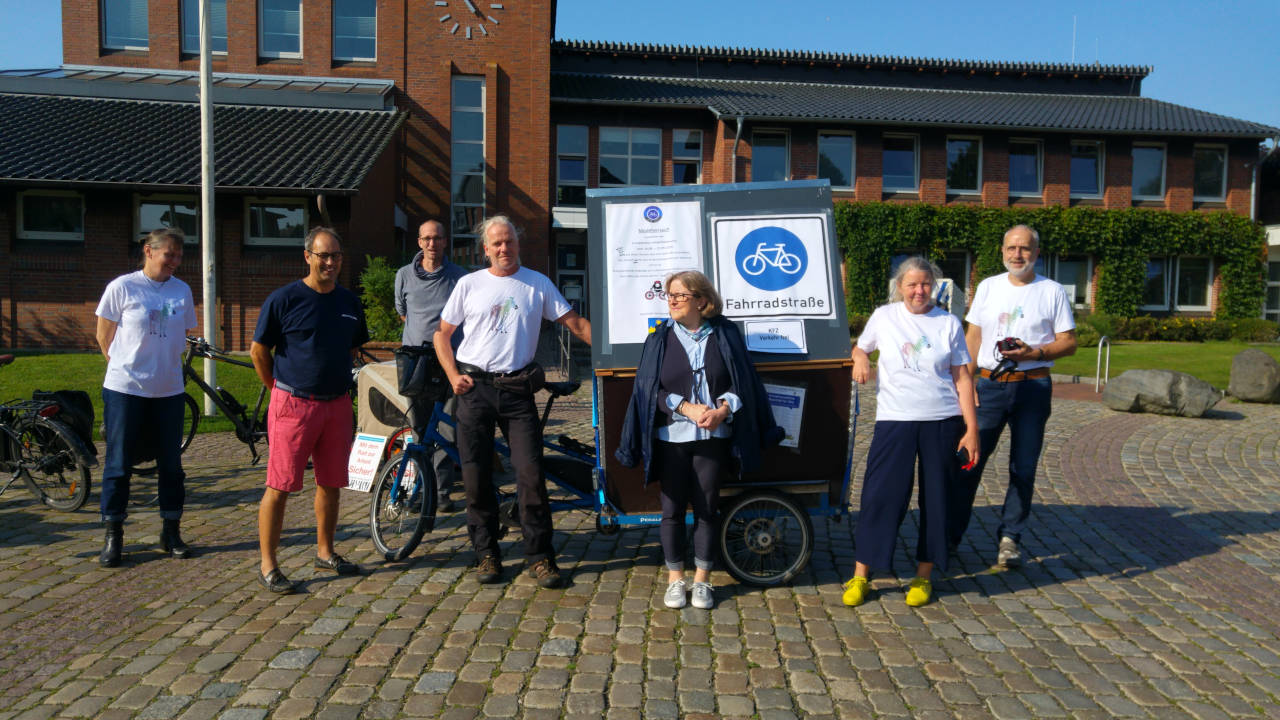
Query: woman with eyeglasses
x: 925, y: 418
x: 143, y: 319
x: 697, y: 405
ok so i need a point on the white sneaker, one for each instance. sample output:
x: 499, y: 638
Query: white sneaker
x: 1008, y: 555
x: 702, y: 597
x: 674, y: 596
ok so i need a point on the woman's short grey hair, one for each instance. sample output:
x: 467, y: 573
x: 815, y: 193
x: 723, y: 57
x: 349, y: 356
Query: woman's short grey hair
x: 915, y: 262
x: 700, y: 285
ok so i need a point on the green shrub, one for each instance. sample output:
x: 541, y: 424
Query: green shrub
x: 1140, y: 328
x: 1104, y: 324
x: 1180, y: 329
x: 1087, y: 336
x: 1215, y: 329
x: 857, y: 323
x: 1254, y: 330
x: 377, y: 293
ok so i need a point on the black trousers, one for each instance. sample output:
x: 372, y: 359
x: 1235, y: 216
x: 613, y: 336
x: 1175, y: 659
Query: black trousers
x: 690, y: 475
x: 480, y: 410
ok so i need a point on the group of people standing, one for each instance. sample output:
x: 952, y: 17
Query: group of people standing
x: 698, y: 410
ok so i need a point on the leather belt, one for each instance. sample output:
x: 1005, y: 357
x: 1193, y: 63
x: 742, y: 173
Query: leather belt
x: 1017, y: 375
x: 480, y: 374
x: 306, y: 395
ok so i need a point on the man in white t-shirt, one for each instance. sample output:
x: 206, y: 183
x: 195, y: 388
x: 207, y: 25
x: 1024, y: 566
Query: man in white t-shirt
x: 1035, y: 314
x: 502, y: 307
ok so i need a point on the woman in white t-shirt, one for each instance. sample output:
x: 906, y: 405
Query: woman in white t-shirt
x: 925, y: 416
x: 143, y: 319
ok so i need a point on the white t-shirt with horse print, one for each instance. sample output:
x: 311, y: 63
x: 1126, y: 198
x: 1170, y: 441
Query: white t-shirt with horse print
x: 917, y: 353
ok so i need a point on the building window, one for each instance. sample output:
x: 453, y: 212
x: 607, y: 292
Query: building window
x: 217, y: 27
x: 1086, y: 169
x: 280, y: 28
x: 686, y: 157
x: 769, y: 156
x: 275, y: 221
x: 467, y: 199
x: 1148, y: 172
x: 1075, y: 273
x: 571, y: 165
x: 900, y: 165
x: 124, y: 24
x: 630, y: 156
x: 177, y: 211
x: 355, y: 30
x: 1271, y: 310
x: 954, y: 265
x: 964, y: 165
x: 835, y: 158
x: 1025, y: 168
x: 1210, y: 181
x: 1185, y: 280
x: 50, y: 215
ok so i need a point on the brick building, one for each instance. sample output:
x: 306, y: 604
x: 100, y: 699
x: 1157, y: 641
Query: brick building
x: 373, y: 114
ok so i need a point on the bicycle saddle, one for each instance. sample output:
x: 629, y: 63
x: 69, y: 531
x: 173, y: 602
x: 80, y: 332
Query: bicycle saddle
x: 559, y: 389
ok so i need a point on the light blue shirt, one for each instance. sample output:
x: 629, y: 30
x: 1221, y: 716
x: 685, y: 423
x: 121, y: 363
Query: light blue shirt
x: 682, y: 429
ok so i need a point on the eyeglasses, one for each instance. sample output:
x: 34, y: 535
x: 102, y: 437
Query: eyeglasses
x: 432, y: 238
x: 681, y: 297
x: 326, y: 257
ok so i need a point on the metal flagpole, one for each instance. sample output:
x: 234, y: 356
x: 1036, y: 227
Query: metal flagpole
x: 207, y: 231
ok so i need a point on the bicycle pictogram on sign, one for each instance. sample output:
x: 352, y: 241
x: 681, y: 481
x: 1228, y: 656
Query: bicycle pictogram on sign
x: 771, y: 258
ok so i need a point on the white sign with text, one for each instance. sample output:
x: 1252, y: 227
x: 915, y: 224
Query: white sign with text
x: 774, y: 266
x: 362, y: 465
x: 644, y: 243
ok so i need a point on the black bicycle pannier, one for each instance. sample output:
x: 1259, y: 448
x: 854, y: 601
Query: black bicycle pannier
x: 75, y: 410
x: 419, y: 373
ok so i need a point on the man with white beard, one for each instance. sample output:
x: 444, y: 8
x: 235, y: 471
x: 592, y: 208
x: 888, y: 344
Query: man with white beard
x: 1018, y: 324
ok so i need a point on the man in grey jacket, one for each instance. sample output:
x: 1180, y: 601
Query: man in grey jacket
x: 422, y: 287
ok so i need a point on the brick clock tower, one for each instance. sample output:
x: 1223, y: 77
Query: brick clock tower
x: 476, y: 81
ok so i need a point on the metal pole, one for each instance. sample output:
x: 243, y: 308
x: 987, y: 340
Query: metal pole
x: 207, y: 232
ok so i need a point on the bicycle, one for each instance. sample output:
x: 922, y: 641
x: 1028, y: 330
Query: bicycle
x: 404, y: 501
x: 771, y: 255
x: 45, y: 453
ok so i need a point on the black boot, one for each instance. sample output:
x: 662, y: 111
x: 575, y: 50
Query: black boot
x: 112, y: 545
x: 171, y: 541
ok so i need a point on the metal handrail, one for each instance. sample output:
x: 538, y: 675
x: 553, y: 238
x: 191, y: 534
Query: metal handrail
x: 1098, y: 378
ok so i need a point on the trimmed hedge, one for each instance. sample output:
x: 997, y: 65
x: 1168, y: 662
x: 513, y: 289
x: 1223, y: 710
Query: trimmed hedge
x: 1120, y: 242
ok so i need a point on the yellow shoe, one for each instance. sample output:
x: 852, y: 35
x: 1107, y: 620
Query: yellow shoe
x: 855, y: 592
x: 919, y: 592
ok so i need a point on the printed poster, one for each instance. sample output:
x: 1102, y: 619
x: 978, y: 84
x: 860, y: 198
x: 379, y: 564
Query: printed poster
x: 646, y: 242
x: 362, y: 465
x: 774, y: 266
x: 787, y: 403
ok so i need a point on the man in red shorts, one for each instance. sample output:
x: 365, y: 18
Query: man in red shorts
x: 306, y: 337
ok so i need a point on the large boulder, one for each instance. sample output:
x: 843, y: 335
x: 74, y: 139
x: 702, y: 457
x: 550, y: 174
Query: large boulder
x: 1255, y: 377
x: 1163, y: 392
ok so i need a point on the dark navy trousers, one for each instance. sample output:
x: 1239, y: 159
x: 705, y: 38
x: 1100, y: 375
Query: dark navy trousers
x: 897, y: 448
x: 127, y: 418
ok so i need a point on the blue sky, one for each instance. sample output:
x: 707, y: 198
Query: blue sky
x: 1220, y: 57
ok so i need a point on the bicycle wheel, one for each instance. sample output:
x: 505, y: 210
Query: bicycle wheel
x: 765, y: 538
x: 398, y: 523
x: 190, y: 421
x: 753, y: 265
x: 50, y: 462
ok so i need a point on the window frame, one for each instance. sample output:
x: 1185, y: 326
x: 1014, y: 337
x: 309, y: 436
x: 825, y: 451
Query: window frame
x: 630, y: 156
x: 915, y: 152
x: 947, y: 170
x: 1226, y: 158
x: 467, y: 235
x: 1271, y: 313
x: 686, y: 159
x: 334, y: 37
x: 102, y: 27
x: 584, y: 156
x: 1166, y: 304
x: 786, y: 151
x: 1039, y: 147
x: 853, y: 156
x: 281, y: 201
x: 1164, y: 171
x: 158, y: 198
x: 1176, y: 278
x: 1101, y: 169
x: 21, y: 233
x: 264, y: 53
x: 194, y: 6
x: 1054, y: 266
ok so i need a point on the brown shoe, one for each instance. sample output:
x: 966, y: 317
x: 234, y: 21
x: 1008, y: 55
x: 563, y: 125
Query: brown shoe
x: 489, y: 570
x: 546, y: 573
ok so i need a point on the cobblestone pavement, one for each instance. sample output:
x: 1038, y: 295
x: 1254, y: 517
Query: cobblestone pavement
x: 1151, y: 591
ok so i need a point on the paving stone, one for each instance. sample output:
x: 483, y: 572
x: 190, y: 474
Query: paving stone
x: 295, y: 659
x: 435, y: 682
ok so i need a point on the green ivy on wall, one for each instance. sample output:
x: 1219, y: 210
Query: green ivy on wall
x: 1120, y: 242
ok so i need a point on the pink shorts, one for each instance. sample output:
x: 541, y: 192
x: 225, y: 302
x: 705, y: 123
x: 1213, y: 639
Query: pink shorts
x: 299, y: 429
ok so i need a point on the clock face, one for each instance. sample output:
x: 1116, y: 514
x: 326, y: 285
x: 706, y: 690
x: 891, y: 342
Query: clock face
x: 470, y: 18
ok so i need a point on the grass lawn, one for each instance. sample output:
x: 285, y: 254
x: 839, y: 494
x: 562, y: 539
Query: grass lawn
x: 84, y: 371
x: 1209, y: 361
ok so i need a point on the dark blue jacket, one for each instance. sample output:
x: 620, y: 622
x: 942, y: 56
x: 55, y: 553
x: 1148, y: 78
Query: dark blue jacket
x: 753, y: 425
